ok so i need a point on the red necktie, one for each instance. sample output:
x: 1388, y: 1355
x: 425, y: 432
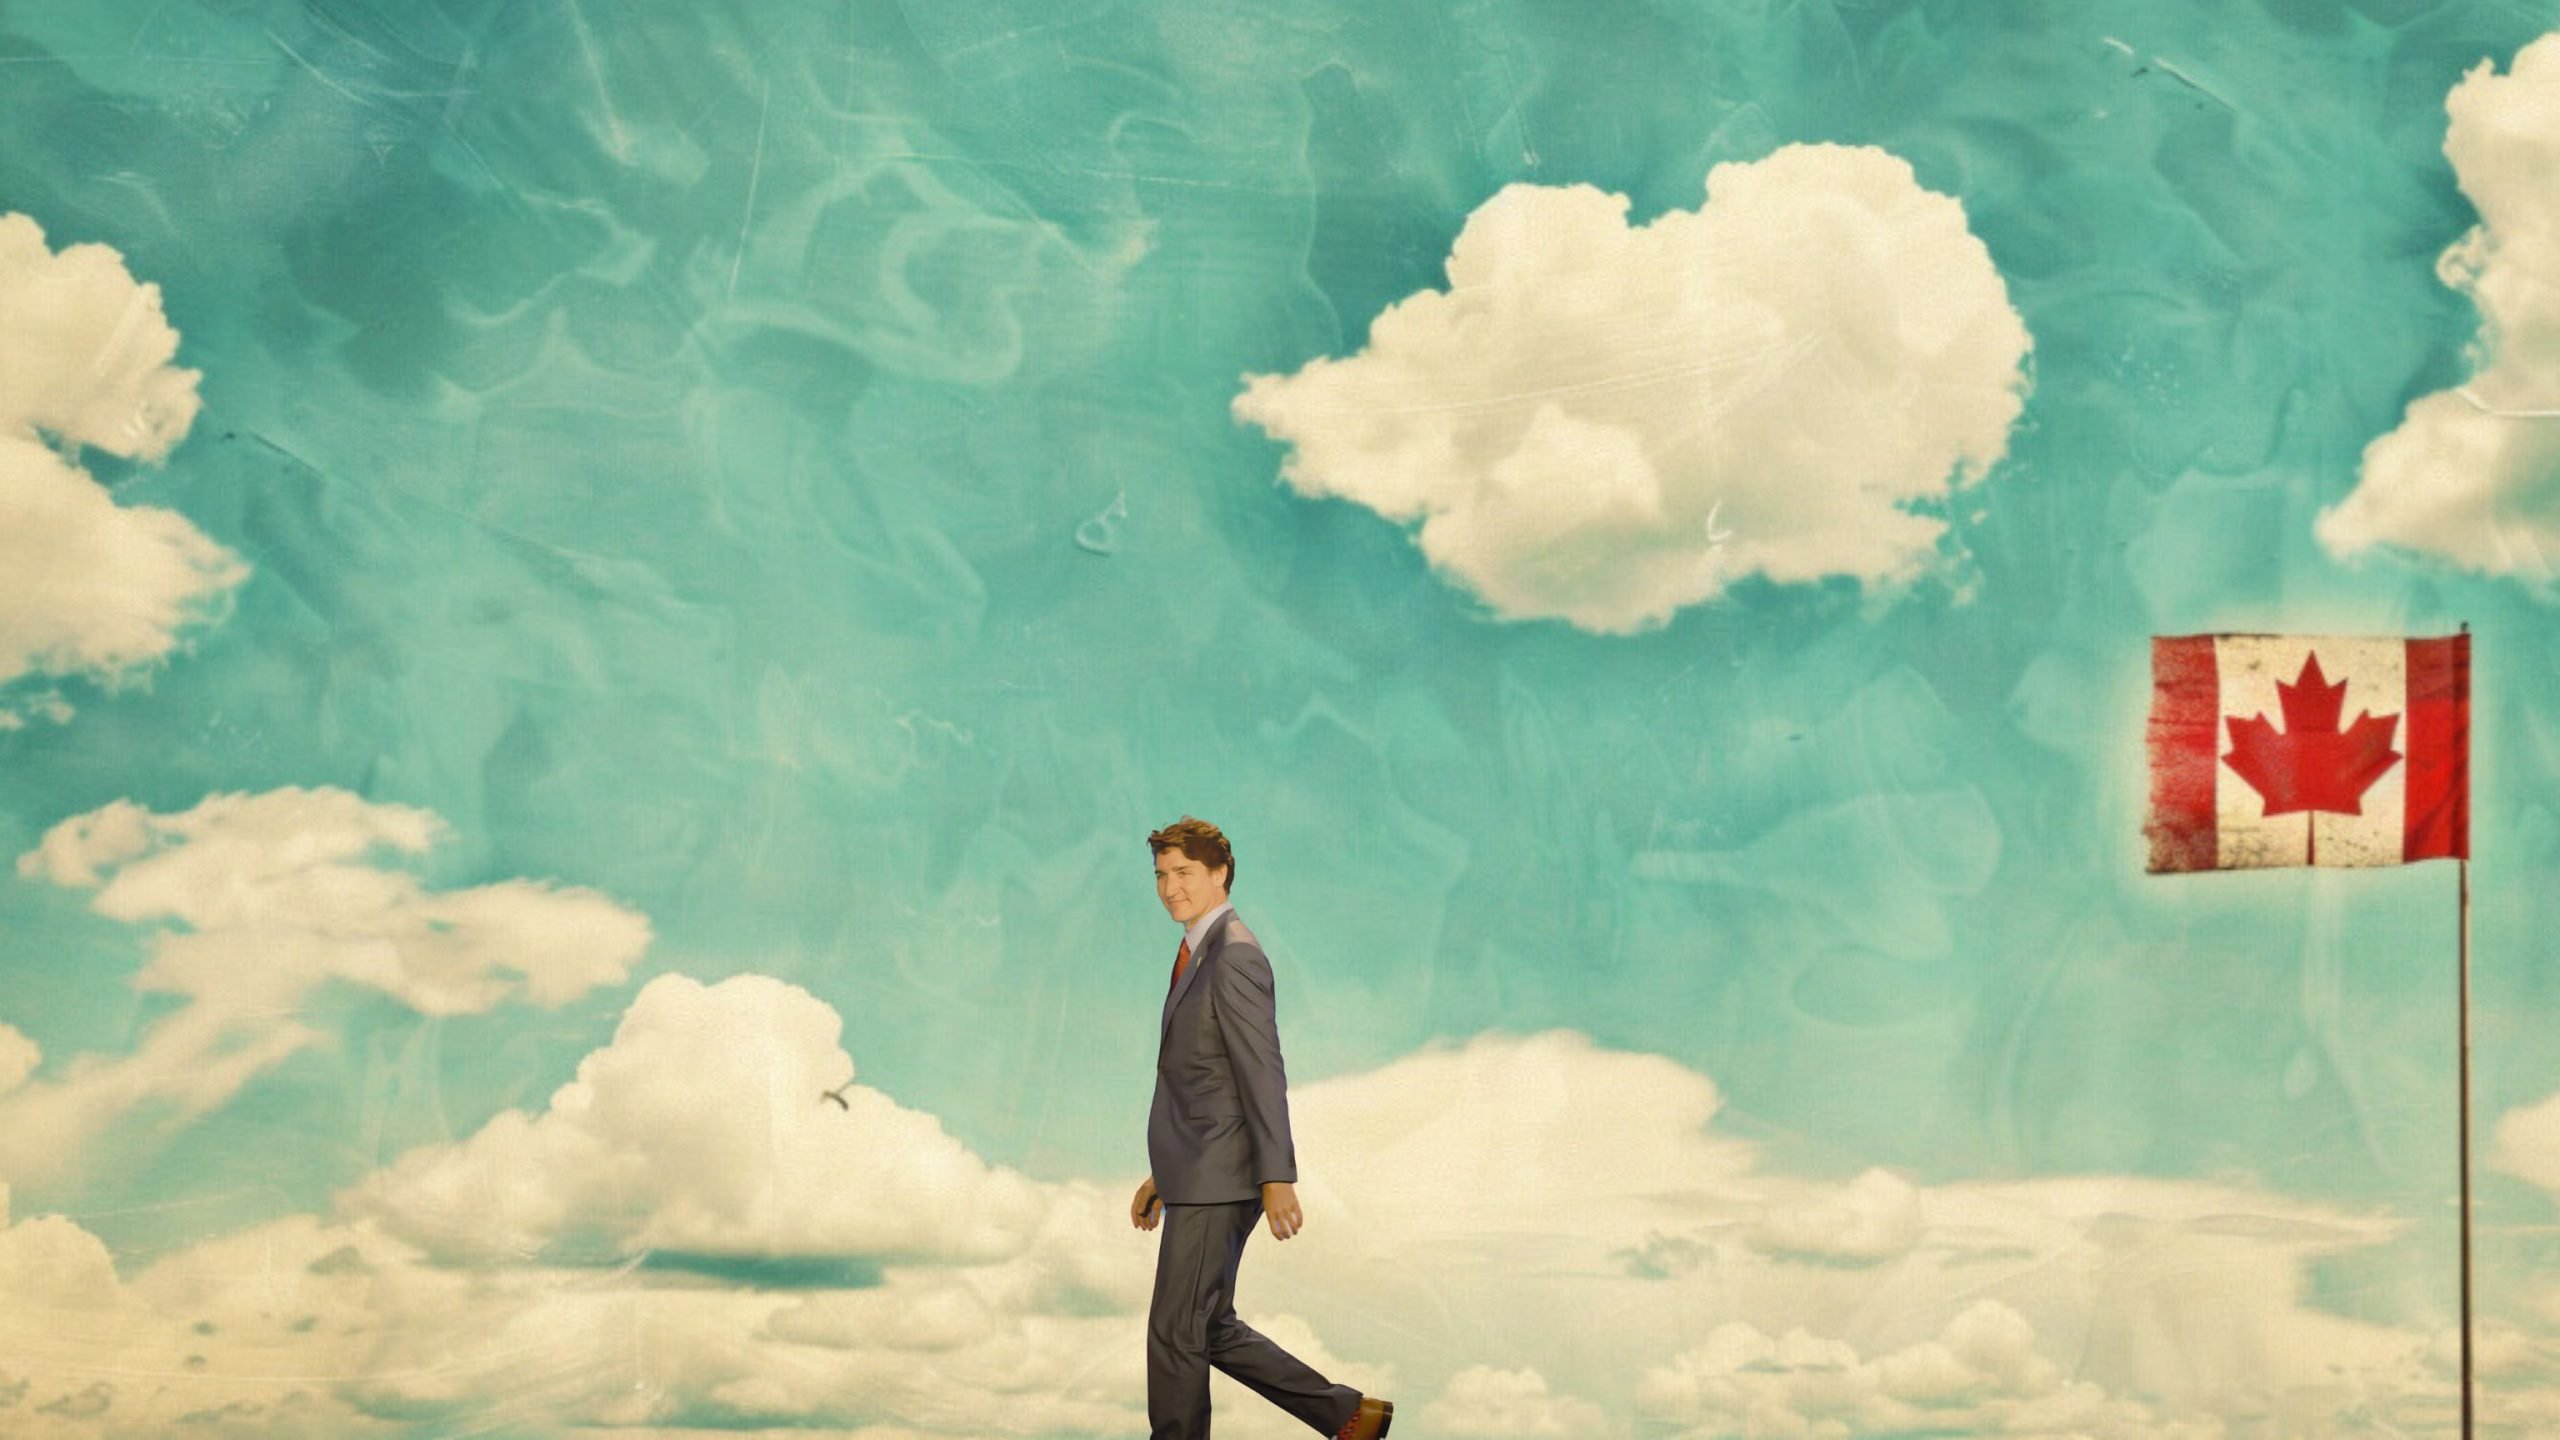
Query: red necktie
x: 1181, y: 959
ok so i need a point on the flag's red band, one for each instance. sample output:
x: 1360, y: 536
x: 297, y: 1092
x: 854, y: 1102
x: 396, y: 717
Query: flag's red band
x: 2438, y: 826
x: 2186, y: 722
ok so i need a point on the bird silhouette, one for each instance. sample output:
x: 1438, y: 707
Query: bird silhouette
x: 837, y: 1095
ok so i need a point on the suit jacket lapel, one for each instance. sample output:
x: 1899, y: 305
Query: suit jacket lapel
x: 1210, y: 939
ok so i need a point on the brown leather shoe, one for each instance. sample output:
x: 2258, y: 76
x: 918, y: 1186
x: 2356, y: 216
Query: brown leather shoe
x: 1369, y: 1422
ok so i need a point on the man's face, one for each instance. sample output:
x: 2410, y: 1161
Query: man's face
x: 1188, y: 888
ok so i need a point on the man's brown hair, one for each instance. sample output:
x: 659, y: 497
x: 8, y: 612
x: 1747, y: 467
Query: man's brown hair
x: 1198, y: 840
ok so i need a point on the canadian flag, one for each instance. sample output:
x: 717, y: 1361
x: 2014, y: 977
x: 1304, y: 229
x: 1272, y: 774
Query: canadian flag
x: 2254, y: 763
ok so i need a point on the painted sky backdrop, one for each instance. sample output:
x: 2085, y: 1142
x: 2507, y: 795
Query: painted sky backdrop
x: 696, y: 542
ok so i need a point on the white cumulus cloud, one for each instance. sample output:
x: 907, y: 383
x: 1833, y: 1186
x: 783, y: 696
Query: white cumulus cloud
x: 2526, y: 1144
x: 704, y: 1128
x: 2472, y: 474
x: 48, y: 1263
x: 90, y: 587
x: 1602, y: 423
x: 1982, y: 1375
x: 262, y: 898
x: 19, y: 1057
x: 1875, y: 1217
x: 1488, y: 1401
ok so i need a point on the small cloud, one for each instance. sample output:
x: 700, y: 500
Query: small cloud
x: 1875, y: 1218
x: 42, y: 705
x: 1483, y: 1401
x: 2472, y: 474
x: 264, y: 898
x: 1603, y: 423
x: 273, y: 892
x: 49, y: 1262
x: 19, y: 1057
x: 1665, y: 1257
x: 2526, y: 1145
x: 87, y: 1403
x: 345, y: 1260
x: 1982, y: 1375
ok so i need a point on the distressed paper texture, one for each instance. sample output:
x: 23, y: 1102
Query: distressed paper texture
x: 683, y: 549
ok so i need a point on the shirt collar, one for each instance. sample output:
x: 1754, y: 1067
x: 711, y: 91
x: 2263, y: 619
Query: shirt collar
x: 1191, y: 936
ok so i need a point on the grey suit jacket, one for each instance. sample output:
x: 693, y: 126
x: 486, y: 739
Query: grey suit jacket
x: 1219, y: 1127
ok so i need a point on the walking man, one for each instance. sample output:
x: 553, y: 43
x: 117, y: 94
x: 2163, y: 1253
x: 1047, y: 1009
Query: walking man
x: 1218, y: 1142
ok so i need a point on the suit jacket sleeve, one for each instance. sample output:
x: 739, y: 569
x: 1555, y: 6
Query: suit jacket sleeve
x: 1249, y: 1026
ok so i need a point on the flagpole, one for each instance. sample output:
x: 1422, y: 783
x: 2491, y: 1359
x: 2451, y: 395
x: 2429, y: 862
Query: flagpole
x: 2463, y: 1049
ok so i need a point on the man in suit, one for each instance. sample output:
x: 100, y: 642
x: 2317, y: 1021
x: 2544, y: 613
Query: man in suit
x: 1218, y: 1139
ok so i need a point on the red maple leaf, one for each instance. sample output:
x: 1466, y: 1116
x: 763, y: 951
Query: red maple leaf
x: 2312, y: 765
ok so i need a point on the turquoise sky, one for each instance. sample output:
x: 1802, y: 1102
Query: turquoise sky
x: 772, y: 465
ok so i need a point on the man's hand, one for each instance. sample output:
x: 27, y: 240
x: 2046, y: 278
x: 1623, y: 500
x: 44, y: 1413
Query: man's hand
x: 1143, y: 1206
x: 1280, y: 1206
